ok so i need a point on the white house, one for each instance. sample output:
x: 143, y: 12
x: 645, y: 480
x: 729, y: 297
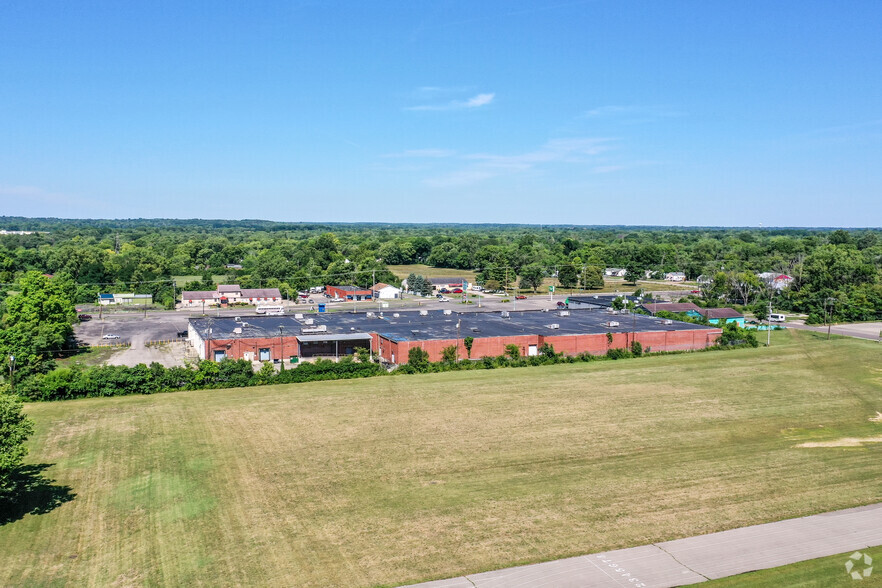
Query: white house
x: 615, y: 272
x: 675, y: 277
x: 385, y: 291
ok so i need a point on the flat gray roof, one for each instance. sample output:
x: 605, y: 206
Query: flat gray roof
x: 413, y: 326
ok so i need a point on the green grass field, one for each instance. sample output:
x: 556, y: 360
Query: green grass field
x: 393, y: 480
x: 824, y: 572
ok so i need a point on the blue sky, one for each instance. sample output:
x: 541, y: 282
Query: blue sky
x: 569, y: 112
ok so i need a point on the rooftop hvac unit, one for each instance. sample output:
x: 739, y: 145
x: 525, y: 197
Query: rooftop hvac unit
x: 244, y: 324
x: 309, y: 321
x: 238, y: 330
x: 395, y: 315
x: 315, y: 329
x: 554, y: 326
x: 414, y: 331
x: 505, y: 314
x: 298, y: 316
x: 612, y: 324
x: 564, y: 313
x: 446, y: 311
x: 370, y: 315
x: 667, y: 322
x: 424, y: 313
x: 476, y: 330
x: 237, y: 319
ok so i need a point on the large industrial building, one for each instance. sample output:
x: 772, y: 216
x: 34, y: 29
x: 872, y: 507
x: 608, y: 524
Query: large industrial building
x: 392, y: 335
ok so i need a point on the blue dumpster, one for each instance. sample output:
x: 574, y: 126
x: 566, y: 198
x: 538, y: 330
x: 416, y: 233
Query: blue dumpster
x: 321, y: 307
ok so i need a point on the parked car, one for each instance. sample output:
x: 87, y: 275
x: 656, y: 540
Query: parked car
x: 520, y: 297
x: 444, y: 291
x: 336, y: 299
x: 457, y: 291
x: 443, y: 299
x: 561, y: 304
x: 110, y: 336
x: 84, y: 317
x: 695, y: 291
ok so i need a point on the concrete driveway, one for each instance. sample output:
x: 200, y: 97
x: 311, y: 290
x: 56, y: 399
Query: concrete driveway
x: 860, y: 330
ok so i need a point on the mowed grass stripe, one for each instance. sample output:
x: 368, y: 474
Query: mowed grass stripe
x: 392, y: 480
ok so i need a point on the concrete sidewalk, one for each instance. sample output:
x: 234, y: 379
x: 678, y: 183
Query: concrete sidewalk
x: 696, y: 559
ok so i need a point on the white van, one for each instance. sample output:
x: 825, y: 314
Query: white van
x: 777, y: 318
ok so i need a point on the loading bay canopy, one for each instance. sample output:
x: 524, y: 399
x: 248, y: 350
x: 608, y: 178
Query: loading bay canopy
x: 329, y: 344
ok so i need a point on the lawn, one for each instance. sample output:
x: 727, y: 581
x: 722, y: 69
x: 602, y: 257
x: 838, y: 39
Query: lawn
x: 393, y: 480
x: 824, y: 572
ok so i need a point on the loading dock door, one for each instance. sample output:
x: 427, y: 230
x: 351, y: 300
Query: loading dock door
x: 265, y: 354
x: 532, y: 350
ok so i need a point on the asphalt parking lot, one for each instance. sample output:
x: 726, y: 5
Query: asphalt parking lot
x: 131, y: 328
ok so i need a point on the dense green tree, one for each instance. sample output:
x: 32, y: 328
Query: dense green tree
x: 15, y: 428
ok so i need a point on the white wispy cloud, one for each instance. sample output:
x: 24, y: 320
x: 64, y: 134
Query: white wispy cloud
x: 630, y: 113
x: 474, y: 102
x: 484, y: 166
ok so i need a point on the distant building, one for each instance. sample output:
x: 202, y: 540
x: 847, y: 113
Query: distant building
x: 349, y: 293
x: 615, y: 272
x: 233, y: 266
x: 385, y: 291
x: 108, y: 299
x: 448, y: 283
x: 716, y: 316
x: 687, y: 308
x: 675, y: 277
x: 226, y: 294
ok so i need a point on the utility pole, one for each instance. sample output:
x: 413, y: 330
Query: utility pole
x: 769, y: 323
x: 282, y: 345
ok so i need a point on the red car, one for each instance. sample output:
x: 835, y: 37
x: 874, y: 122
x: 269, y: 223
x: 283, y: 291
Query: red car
x: 457, y: 291
x: 695, y: 292
x: 521, y: 297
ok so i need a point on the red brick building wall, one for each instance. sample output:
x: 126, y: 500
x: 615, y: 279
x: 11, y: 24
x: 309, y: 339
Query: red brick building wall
x: 484, y: 346
x: 336, y: 292
x: 569, y: 344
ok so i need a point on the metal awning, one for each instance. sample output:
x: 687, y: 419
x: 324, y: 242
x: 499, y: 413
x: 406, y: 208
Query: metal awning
x: 334, y: 337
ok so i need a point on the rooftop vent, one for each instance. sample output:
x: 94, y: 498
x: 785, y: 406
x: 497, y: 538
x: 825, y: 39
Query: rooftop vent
x: 395, y: 315
x: 476, y: 330
x: 505, y: 314
x: 238, y: 318
x: 564, y: 313
x: 415, y: 331
x: 553, y: 326
x: 370, y: 315
x: 424, y: 313
x: 238, y: 330
x: 612, y: 324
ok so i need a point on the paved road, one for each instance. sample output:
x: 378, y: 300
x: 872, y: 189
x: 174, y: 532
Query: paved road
x: 860, y: 330
x: 696, y: 559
